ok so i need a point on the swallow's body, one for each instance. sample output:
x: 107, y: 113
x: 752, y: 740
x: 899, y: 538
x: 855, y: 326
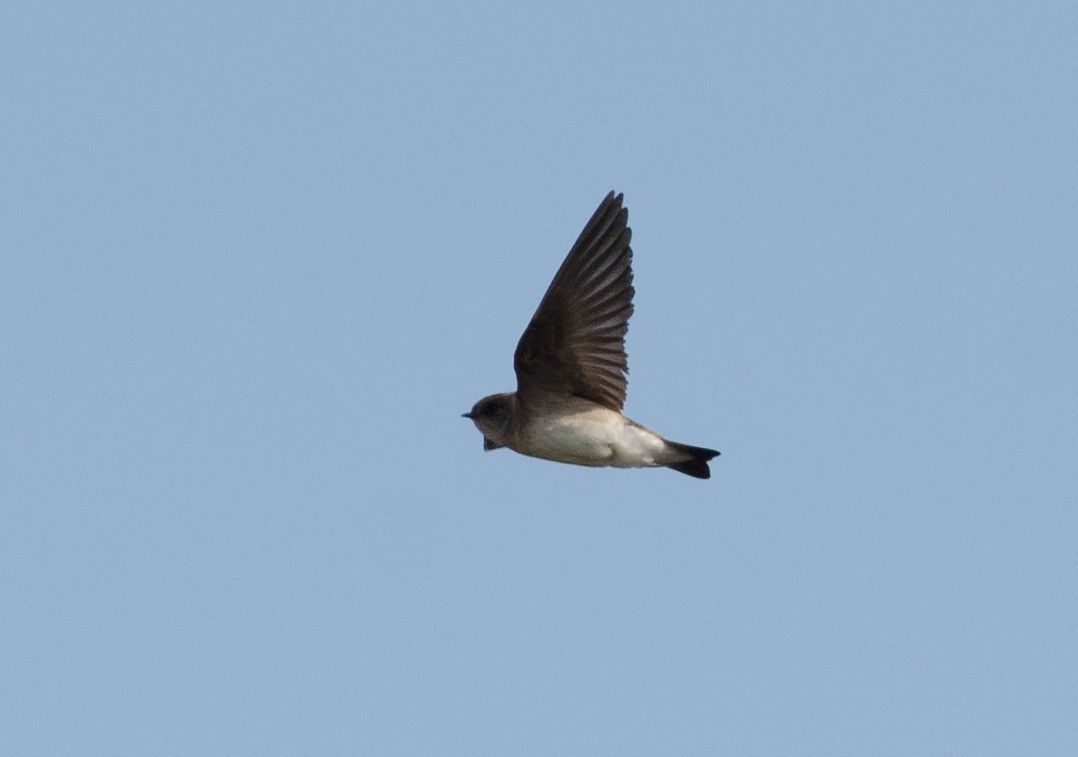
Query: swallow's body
x: 584, y: 433
x: 571, y: 366
x: 591, y: 435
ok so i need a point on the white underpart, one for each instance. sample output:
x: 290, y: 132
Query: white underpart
x: 596, y: 436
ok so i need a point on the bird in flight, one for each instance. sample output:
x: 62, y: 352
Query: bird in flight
x: 571, y: 365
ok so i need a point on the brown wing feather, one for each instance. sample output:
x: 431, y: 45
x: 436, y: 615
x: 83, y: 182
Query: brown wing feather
x: 575, y: 343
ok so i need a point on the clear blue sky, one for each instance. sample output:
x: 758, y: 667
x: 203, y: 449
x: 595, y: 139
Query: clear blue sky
x: 258, y: 258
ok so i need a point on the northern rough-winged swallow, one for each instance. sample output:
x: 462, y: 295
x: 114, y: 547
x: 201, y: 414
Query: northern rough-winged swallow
x: 571, y: 365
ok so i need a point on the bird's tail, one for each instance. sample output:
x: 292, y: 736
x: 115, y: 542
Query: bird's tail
x: 694, y: 460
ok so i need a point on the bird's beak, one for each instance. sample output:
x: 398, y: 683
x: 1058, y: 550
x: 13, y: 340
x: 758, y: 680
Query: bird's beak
x: 466, y: 415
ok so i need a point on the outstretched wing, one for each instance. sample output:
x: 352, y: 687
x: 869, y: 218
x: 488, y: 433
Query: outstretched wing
x: 575, y: 343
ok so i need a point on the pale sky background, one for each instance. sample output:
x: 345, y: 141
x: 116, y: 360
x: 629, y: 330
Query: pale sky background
x: 257, y: 258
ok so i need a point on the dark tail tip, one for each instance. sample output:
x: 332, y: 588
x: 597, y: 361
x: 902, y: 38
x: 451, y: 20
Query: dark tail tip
x: 696, y: 466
